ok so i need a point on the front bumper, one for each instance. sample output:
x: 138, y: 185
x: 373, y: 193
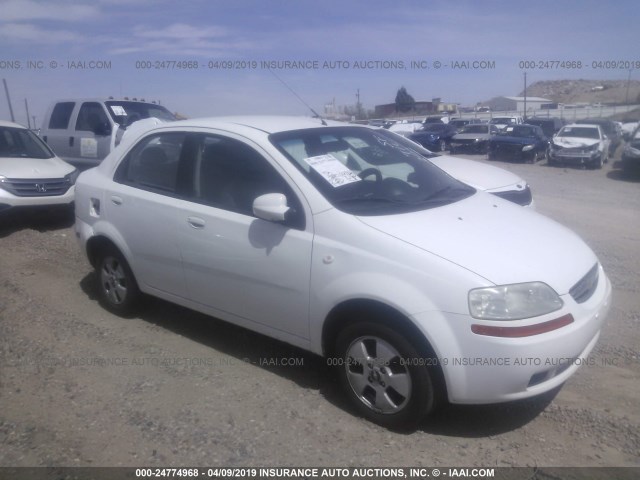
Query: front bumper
x: 473, y: 147
x: 480, y: 369
x: 9, y: 200
x: 575, y: 157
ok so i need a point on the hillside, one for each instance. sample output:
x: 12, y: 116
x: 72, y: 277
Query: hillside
x: 582, y: 91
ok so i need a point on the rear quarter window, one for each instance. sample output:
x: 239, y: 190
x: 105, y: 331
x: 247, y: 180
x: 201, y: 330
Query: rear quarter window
x: 61, y: 115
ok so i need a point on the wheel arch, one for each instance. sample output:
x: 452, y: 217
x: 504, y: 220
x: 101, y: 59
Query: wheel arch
x: 355, y: 310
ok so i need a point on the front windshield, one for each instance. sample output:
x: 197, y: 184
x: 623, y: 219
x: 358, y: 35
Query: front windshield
x: 22, y: 143
x: 475, y: 129
x: 501, y: 120
x: 369, y: 172
x: 126, y: 112
x: 520, y: 132
x: 580, y: 132
x: 434, y: 127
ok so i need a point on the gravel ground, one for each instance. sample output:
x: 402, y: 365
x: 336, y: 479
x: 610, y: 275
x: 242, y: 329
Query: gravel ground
x: 81, y: 387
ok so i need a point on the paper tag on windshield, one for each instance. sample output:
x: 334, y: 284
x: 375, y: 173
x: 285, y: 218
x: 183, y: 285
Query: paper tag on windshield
x: 332, y: 170
x: 118, y: 111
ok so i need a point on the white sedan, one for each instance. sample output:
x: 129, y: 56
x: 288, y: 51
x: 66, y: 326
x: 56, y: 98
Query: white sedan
x: 30, y: 173
x: 345, y: 241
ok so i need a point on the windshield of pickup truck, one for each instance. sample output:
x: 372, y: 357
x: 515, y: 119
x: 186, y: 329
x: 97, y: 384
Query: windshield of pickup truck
x: 127, y: 112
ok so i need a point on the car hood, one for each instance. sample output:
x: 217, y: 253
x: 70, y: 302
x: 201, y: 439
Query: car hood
x: 478, y: 175
x: 506, y: 139
x: 470, y: 136
x: 12, y: 167
x: 574, y: 142
x: 495, y: 239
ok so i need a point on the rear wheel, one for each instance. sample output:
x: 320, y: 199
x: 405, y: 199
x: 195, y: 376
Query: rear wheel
x: 384, y: 375
x: 442, y: 145
x: 117, y: 287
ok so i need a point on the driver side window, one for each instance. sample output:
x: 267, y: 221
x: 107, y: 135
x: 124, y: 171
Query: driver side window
x: 230, y: 175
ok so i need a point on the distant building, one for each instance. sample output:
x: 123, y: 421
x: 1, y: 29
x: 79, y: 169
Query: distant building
x: 516, y: 104
x: 420, y: 108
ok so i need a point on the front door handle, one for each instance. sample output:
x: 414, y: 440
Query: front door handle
x: 116, y: 200
x: 196, y: 222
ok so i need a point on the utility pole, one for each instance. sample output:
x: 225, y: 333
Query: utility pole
x: 6, y: 91
x: 626, y: 99
x: 525, y: 96
x: 26, y: 107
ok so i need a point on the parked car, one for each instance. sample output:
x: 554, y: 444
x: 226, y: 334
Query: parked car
x: 508, y: 121
x: 436, y: 119
x: 84, y: 131
x: 610, y: 128
x: 434, y: 136
x: 549, y: 125
x: 458, y: 123
x: 631, y: 152
x: 520, y: 142
x: 405, y: 128
x: 487, y: 178
x: 345, y: 241
x: 579, y: 144
x: 627, y: 130
x: 473, y: 138
x: 30, y: 173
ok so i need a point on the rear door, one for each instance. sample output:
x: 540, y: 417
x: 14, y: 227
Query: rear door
x: 145, y: 206
x: 59, y: 129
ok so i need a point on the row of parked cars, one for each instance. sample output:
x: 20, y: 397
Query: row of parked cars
x: 587, y: 142
x: 398, y: 265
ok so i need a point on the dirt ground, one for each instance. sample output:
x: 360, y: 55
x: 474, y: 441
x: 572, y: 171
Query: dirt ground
x: 81, y: 387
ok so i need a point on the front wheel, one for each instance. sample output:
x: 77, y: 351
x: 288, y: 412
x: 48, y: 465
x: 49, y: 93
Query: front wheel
x: 117, y: 287
x: 384, y: 375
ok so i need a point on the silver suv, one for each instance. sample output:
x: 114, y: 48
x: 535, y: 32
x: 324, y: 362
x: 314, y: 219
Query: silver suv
x: 84, y: 131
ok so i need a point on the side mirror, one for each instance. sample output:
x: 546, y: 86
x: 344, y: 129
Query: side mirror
x: 102, y: 129
x: 271, y: 207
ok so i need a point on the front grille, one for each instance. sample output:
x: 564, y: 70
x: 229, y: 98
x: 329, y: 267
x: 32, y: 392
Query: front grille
x: 582, y: 291
x: 41, y: 187
x: 508, y: 149
x: 521, y: 197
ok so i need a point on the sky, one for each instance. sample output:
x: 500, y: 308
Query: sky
x: 239, y: 54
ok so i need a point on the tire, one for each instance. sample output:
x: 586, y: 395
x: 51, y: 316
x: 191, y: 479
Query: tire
x: 384, y: 375
x: 442, y: 145
x: 597, y: 165
x: 118, y: 290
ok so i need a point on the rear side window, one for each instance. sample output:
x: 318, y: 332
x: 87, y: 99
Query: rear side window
x: 60, y: 116
x: 153, y: 163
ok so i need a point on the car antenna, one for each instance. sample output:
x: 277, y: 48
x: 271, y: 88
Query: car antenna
x: 299, y: 98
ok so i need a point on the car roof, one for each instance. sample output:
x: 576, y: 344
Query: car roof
x: 581, y: 125
x: 106, y: 99
x: 4, y: 123
x: 265, y: 123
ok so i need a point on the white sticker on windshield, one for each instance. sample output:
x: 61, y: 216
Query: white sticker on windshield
x: 332, y: 170
x: 118, y: 111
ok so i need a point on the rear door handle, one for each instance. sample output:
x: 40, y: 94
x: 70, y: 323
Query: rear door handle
x: 196, y: 222
x: 71, y: 141
x: 116, y: 200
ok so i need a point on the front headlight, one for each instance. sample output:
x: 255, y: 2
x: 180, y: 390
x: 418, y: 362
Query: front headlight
x: 513, y: 302
x: 72, y: 177
x: 527, y: 148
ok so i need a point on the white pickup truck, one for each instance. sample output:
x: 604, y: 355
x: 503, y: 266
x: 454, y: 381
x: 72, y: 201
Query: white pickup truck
x: 84, y: 131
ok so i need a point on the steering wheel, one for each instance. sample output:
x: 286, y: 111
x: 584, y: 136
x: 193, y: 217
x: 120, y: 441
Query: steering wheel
x: 371, y: 171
